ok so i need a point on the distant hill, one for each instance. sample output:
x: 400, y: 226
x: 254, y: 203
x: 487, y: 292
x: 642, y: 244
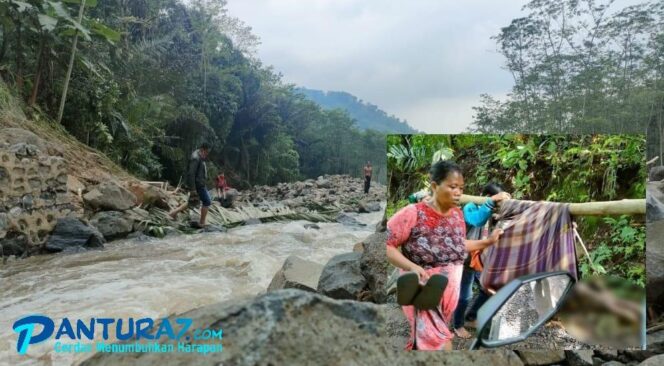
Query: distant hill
x: 366, y: 115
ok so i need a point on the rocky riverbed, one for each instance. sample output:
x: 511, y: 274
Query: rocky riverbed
x: 45, y: 209
x: 152, y: 277
x: 308, y: 317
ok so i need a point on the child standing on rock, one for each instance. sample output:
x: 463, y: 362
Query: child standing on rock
x: 222, y: 186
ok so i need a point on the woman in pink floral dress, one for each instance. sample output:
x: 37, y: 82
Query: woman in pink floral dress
x: 432, y: 237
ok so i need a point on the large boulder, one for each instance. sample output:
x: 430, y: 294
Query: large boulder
x: 654, y: 244
x: 16, y: 244
x: 655, y: 341
x: 297, y: 273
x: 542, y: 357
x: 382, y: 225
x: 653, y: 361
x: 654, y: 260
x: 654, y: 208
x: 365, y: 207
x: 656, y: 173
x: 374, y: 265
x: 72, y: 232
x: 231, y: 195
x: 654, y: 201
x: 148, y: 195
x: 342, y: 277
x: 293, y: 327
x: 348, y: 220
x: 582, y: 357
x: 109, y: 196
x: 112, y: 224
x: 323, y: 183
x: 396, y: 325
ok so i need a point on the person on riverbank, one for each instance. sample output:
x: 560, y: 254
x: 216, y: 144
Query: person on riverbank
x: 222, y: 186
x: 476, y: 218
x: 432, y: 237
x: 367, y: 177
x: 196, y: 178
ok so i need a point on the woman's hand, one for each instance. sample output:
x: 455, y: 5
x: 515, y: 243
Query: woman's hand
x: 421, y: 272
x: 484, y: 243
x: 397, y: 259
x: 495, y: 235
x: 500, y: 197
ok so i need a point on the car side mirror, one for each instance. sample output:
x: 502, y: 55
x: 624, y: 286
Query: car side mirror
x: 521, y: 307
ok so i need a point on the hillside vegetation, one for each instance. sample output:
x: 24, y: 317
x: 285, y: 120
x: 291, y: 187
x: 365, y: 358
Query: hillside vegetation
x: 146, y: 82
x: 366, y: 115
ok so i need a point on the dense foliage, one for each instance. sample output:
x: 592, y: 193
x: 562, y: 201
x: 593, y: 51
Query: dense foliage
x: 150, y: 80
x: 366, y: 115
x: 580, y: 66
x: 559, y: 168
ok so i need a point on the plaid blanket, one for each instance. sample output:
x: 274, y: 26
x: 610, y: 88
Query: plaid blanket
x: 538, y: 237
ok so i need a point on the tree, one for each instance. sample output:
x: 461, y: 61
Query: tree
x: 578, y: 66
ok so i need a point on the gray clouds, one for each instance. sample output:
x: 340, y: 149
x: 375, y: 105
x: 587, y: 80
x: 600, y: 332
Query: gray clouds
x: 426, y: 61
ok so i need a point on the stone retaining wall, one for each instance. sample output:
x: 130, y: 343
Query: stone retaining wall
x: 33, y: 195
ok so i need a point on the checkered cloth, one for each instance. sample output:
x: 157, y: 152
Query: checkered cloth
x: 538, y: 237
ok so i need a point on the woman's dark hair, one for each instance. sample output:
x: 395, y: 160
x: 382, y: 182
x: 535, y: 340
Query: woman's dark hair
x: 442, y: 169
x: 491, y: 189
x: 205, y: 146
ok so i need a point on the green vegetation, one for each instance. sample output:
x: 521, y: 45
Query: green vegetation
x: 581, y: 66
x: 151, y: 80
x: 366, y: 115
x: 559, y: 168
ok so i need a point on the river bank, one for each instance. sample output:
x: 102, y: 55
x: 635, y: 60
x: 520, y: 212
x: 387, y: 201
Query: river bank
x: 160, y: 277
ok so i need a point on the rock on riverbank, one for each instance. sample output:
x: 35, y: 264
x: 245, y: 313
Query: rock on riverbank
x: 332, y: 191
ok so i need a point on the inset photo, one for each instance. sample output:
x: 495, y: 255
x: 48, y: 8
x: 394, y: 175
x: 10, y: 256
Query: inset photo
x: 518, y: 241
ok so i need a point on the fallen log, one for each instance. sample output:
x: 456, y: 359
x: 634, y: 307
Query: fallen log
x: 602, y: 208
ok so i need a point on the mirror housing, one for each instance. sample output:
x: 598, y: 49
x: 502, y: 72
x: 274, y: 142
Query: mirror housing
x: 545, y: 309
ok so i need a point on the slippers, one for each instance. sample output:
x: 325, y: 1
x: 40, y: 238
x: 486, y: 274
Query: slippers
x: 408, y: 286
x: 432, y: 291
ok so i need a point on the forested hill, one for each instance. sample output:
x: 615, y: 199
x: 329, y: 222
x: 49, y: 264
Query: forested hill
x: 146, y: 82
x: 366, y: 115
x: 576, y: 76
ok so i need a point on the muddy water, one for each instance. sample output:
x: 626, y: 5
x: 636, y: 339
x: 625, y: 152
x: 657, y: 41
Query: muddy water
x: 158, y: 277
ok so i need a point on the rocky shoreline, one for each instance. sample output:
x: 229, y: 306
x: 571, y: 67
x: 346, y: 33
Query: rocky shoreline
x: 44, y: 209
x: 340, y: 314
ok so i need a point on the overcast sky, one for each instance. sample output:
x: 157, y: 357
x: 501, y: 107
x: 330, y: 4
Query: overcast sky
x: 426, y: 61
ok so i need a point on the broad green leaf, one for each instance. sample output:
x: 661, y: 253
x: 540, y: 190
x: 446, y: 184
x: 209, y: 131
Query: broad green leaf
x: 104, y: 31
x: 22, y: 6
x: 60, y: 10
x: 47, y: 23
x: 76, y: 27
